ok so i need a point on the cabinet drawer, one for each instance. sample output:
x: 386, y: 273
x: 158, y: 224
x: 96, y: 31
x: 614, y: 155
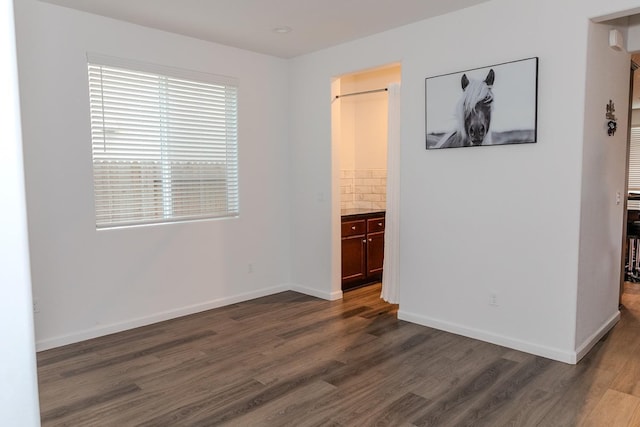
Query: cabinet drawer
x: 375, y: 224
x: 351, y: 228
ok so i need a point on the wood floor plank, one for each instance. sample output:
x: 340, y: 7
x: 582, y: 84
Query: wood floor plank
x: 226, y: 371
x: 94, y: 382
x: 401, y: 409
x: 204, y: 402
x: 82, y: 404
x: 356, y: 402
x: 269, y: 394
x: 90, y: 347
x: 499, y: 400
x: 445, y: 374
x: 355, y: 368
x: 283, y: 364
x: 635, y: 418
x: 277, y: 412
x: 627, y: 379
x: 131, y: 355
x: 458, y: 400
x: 531, y: 404
x: 575, y: 400
x: 383, y: 398
x: 291, y: 360
x: 613, y: 409
x: 618, y: 347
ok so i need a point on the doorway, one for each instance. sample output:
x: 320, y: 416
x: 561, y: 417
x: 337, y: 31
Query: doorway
x: 631, y: 237
x: 360, y: 142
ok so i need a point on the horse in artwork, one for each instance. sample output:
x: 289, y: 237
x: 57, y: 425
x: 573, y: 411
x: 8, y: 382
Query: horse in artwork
x: 473, y: 114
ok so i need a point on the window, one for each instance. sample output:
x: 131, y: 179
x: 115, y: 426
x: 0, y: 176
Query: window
x: 634, y: 167
x: 164, y: 143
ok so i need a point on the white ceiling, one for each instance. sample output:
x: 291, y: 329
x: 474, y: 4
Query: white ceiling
x: 249, y: 24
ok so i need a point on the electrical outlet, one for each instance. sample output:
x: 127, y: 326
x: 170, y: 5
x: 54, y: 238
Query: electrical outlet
x: 250, y: 268
x: 36, y: 306
x: 493, y: 299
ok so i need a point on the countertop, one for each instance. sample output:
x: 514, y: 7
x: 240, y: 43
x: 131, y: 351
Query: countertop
x: 353, y: 212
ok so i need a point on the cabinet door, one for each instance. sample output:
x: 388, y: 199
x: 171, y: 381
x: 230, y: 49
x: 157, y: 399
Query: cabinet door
x: 353, y: 258
x: 375, y: 252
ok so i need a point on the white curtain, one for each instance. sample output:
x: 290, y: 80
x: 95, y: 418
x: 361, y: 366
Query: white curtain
x: 390, y: 272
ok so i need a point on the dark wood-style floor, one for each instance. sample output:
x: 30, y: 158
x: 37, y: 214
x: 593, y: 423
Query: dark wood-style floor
x: 294, y: 360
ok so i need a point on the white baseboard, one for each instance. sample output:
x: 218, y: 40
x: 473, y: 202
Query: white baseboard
x: 159, y: 317
x: 527, y: 347
x: 330, y: 296
x: 571, y: 357
x: 588, y: 344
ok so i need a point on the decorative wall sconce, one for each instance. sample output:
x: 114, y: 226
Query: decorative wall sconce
x: 612, y: 125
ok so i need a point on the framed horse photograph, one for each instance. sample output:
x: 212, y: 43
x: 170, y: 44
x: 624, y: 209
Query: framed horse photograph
x: 494, y: 105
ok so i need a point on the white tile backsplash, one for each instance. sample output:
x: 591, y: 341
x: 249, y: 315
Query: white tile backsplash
x: 363, y: 188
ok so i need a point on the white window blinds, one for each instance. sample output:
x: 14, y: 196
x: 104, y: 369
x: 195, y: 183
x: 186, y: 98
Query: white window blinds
x: 634, y: 166
x: 164, y: 146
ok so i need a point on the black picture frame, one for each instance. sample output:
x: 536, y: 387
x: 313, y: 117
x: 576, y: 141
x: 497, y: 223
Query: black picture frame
x: 493, y: 105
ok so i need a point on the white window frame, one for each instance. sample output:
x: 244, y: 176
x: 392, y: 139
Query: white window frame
x: 164, y: 143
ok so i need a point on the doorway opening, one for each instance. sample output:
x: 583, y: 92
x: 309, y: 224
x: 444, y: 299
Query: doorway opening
x: 631, y: 240
x: 360, y: 115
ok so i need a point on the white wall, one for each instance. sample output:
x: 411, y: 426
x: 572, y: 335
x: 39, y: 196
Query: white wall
x: 503, y: 220
x: 347, y: 123
x: 632, y: 34
x: 364, y: 119
x: 18, y: 384
x: 603, y: 178
x: 371, y: 132
x: 88, y: 283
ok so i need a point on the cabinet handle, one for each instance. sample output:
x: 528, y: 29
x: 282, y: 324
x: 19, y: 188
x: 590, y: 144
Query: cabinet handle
x: 364, y: 240
x: 379, y: 224
x: 370, y: 239
x: 353, y: 227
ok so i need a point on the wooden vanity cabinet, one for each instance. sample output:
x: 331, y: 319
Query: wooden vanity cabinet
x: 354, y: 258
x: 362, y: 249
